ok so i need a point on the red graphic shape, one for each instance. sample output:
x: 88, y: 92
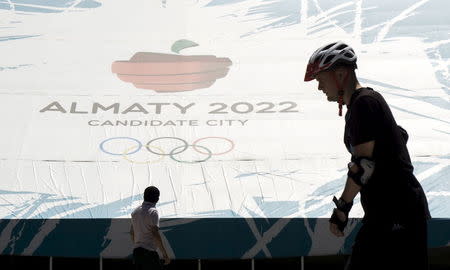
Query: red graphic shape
x: 170, y: 72
x: 175, y: 87
x: 174, y: 79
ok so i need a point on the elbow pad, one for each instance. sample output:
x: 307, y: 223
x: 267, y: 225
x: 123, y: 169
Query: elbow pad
x: 366, y: 167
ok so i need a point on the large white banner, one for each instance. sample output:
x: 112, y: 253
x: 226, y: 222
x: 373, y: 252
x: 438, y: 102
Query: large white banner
x: 206, y: 100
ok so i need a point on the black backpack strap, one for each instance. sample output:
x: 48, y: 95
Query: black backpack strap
x: 404, y: 133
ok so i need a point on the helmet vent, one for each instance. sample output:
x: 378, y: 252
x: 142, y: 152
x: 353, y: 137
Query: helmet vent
x: 329, y: 46
x: 328, y: 59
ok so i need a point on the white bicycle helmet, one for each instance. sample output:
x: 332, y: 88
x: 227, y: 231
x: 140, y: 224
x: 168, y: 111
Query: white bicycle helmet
x: 327, y: 56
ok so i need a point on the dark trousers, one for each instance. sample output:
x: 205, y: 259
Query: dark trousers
x: 390, y: 247
x: 144, y: 259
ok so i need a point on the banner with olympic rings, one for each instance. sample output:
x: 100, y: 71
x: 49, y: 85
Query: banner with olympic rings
x: 161, y: 153
x: 204, y: 99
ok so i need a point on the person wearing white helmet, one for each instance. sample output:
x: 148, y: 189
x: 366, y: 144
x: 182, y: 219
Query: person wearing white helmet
x: 331, y: 56
x: 395, y: 207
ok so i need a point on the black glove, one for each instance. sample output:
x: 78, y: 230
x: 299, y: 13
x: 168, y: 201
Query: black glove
x: 345, y: 208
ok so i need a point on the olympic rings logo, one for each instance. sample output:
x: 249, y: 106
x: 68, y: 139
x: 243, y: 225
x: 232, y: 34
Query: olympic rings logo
x: 161, y: 151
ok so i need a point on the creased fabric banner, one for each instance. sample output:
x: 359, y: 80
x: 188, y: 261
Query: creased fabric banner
x: 205, y: 100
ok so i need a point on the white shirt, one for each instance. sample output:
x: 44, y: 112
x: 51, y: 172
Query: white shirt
x: 142, y: 218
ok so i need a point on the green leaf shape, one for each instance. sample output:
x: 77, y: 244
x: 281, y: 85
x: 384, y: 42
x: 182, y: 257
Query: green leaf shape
x: 181, y: 45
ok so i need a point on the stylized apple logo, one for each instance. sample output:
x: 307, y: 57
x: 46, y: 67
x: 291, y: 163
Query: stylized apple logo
x: 172, y: 72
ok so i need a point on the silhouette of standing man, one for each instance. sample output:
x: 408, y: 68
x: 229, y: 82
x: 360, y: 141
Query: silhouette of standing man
x: 145, y: 233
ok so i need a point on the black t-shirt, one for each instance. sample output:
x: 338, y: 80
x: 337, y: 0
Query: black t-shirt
x: 393, y: 193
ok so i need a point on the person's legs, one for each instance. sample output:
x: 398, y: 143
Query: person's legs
x: 138, y: 258
x: 409, y: 246
x: 145, y: 259
x: 369, y: 250
x: 404, y: 247
x: 154, y: 262
x: 363, y: 250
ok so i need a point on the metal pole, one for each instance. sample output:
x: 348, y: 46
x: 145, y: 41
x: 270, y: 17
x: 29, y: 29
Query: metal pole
x: 253, y: 264
x: 302, y: 263
x: 50, y: 263
x: 101, y: 263
x: 199, y: 265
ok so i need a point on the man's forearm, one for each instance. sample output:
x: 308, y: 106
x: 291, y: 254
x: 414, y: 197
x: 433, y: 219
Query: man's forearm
x: 350, y: 191
x: 160, y: 244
